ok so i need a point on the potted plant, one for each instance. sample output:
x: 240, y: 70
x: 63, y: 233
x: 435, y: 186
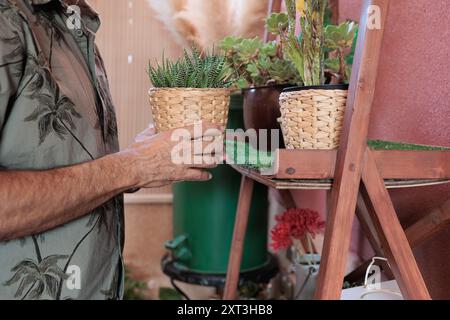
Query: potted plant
x: 262, y: 72
x: 312, y: 116
x: 295, y: 231
x: 189, y: 90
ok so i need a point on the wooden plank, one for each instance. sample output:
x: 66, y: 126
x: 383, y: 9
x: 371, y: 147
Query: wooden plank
x: 237, y: 245
x: 437, y: 220
x: 419, y: 164
x: 305, y: 164
x: 350, y: 155
x: 325, y: 184
x: 391, y: 234
x: 393, y: 164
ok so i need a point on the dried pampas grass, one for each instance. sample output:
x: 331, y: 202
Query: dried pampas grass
x: 206, y: 22
x: 249, y: 17
x: 209, y: 20
x: 166, y: 10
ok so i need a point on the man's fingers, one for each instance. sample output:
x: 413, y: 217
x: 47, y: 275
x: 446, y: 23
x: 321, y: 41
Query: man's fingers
x: 207, y: 147
x: 147, y: 133
x: 204, y: 129
x: 196, y: 175
x: 206, y: 162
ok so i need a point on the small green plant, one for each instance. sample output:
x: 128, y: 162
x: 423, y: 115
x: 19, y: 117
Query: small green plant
x: 169, y: 294
x: 133, y: 289
x: 255, y: 63
x: 316, y: 41
x: 307, y: 53
x: 192, y: 70
x: 340, y: 40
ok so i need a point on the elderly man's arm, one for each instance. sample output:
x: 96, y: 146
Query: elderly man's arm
x: 37, y: 201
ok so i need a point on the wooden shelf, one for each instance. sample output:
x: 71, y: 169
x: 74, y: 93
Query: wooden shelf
x: 326, y: 184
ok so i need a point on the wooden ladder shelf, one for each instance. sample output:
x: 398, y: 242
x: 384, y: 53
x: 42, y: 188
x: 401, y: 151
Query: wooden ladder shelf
x: 358, y: 177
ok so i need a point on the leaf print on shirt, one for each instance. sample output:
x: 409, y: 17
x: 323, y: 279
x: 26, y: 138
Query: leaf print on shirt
x: 54, y: 114
x: 37, y: 277
x: 38, y: 74
x: 15, y: 54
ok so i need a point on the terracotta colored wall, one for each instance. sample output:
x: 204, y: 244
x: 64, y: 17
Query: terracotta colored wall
x: 413, y: 104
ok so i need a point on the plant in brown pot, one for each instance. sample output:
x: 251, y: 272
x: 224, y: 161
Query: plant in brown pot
x: 262, y: 72
x: 192, y: 89
x: 312, y: 116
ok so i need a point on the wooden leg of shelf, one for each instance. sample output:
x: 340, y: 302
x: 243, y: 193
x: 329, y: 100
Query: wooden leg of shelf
x: 337, y: 240
x: 237, y: 245
x: 336, y: 245
x: 367, y: 226
x: 437, y: 220
x: 369, y: 229
x: 391, y: 234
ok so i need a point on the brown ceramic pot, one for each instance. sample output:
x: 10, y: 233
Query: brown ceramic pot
x: 262, y: 108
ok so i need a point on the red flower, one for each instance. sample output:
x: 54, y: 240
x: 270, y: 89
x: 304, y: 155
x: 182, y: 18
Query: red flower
x: 281, y: 236
x: 295, y: 224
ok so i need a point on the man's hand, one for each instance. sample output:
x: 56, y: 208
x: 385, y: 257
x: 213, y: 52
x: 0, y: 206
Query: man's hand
x: 150, y: 158
x: 30, y: 204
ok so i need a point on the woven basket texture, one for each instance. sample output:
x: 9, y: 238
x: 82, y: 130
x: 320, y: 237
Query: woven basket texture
x: 174, y: 108
x: 313, y: 119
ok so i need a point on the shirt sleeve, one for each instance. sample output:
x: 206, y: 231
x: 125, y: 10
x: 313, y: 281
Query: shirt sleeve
x: 12, y: 59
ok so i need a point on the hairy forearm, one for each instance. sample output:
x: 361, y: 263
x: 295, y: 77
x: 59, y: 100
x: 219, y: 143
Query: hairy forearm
x: 36, y: 201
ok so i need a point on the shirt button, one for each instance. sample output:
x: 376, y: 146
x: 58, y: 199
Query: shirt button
x: 79, y: 33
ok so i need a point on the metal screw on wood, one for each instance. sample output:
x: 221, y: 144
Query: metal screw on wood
x: 290, y: 171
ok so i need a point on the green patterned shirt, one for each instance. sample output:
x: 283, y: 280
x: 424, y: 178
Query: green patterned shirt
x: 56, y: 111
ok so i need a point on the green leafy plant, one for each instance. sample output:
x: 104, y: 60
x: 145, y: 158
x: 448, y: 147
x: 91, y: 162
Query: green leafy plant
x: 281, y: 25
x: 316, y: 41
x: 134, y: 289
x: 307, y: 52
x: 169, y: 294
x: 192, y: 70
x: 340, y: 41
x: 255, y: 63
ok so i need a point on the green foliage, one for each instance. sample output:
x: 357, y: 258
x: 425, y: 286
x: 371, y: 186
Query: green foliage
x: 239, y: 150
x: 283, y: 26
x: 312, y: 43
x: 277, y: 23
x: 249, y: 290
x: 316, y: 42
x: 339, y: 41
x: 169, y: 294
x: 192, y: 70
x: 340, y: 37
x: 134, y: 289
x: 389, y: 145
x: 255, y: 63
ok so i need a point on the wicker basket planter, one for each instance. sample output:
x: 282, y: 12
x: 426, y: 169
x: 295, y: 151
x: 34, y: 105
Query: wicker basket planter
x: 312, y: 117
x: 174, y: 108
